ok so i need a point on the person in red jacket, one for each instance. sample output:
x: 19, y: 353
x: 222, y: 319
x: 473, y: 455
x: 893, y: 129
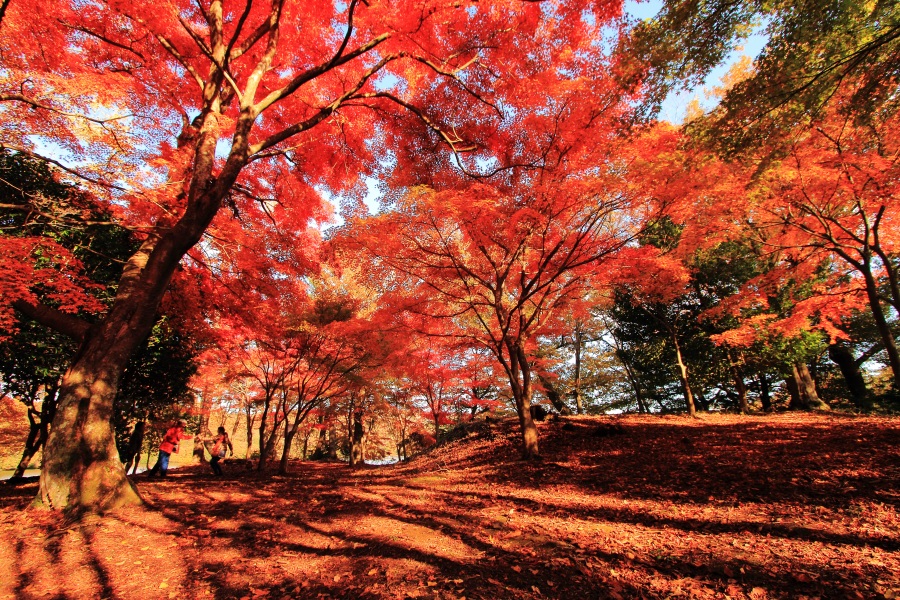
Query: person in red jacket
x: 169, y: 445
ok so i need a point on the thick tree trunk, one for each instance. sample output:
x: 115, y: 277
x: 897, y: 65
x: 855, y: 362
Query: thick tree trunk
x: 802, y: 389
x: 81, y: 463
x: 843, y: 358
x: 81, y: 466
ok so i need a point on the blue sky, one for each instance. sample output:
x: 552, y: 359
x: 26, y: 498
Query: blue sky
x: 675, y: 106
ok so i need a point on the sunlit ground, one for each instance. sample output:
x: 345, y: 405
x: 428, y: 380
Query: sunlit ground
x: 786, y: 506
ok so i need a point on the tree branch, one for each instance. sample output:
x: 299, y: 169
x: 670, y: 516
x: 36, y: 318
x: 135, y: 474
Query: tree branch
x: 64, y: 323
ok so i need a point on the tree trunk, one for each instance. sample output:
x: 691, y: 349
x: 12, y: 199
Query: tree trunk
x: 249, y: 430
x: 285, y: 453
x: 884, y: 329
x: 739, y: 384
x: 81, y: 463
x: 356, y: 439
x: 803, y: 389
x: 843, y: 358
x: 683, y: 377
x: 518, y: 369
x: 135, y: 444
x: 553, y: 395
x: 37, y: 435
x: 764, y: 396
x: 38, y: 430
x: 579, y: 338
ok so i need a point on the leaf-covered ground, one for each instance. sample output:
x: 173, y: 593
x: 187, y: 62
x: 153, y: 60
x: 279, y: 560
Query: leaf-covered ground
x: 781, y: 506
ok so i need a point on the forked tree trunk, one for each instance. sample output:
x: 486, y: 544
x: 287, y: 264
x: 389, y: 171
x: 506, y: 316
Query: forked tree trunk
x: 519, y: 371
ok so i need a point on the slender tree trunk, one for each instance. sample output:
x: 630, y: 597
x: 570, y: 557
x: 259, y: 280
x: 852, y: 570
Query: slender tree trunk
x: 435, y: 418
x: 286, y: 452
x: 520, y: 381
x: 683, y: 377
x: 764, y: 395
x: 554, y: 395
x: 356, y: 440
x: 843, y: 358
x: 37, y: 435
x: 249, y: 430
x: 884, y: 329
x: 579, y: 338
x: 38, y: 430
x: 135, y: 443
x: 739, y: 384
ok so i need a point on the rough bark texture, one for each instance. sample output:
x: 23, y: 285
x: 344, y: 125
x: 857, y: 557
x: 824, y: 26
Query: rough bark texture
x: 802, y: 389
x: 81, y: 463
x: 518, y: 369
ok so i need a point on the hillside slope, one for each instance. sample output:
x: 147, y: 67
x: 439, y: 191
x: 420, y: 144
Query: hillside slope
x: 780, y: 506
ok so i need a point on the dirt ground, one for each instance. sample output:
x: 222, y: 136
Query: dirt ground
x: 778, y: 506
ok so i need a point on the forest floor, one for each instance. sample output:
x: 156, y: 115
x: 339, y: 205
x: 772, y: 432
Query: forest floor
x: 775, y: 506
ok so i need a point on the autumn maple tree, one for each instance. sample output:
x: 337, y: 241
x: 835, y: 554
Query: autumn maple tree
x: 176, y: 110
x: 495, y: 267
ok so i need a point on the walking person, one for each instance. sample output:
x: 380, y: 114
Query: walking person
x: 221, y: 444
x: 169, y: 445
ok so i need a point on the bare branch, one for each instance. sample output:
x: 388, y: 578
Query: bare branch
x: 63, y: 167
x: 37, y: 105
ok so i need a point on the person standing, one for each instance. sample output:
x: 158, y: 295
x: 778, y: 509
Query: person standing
x: 221, y: 444
x: 169, y: 445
